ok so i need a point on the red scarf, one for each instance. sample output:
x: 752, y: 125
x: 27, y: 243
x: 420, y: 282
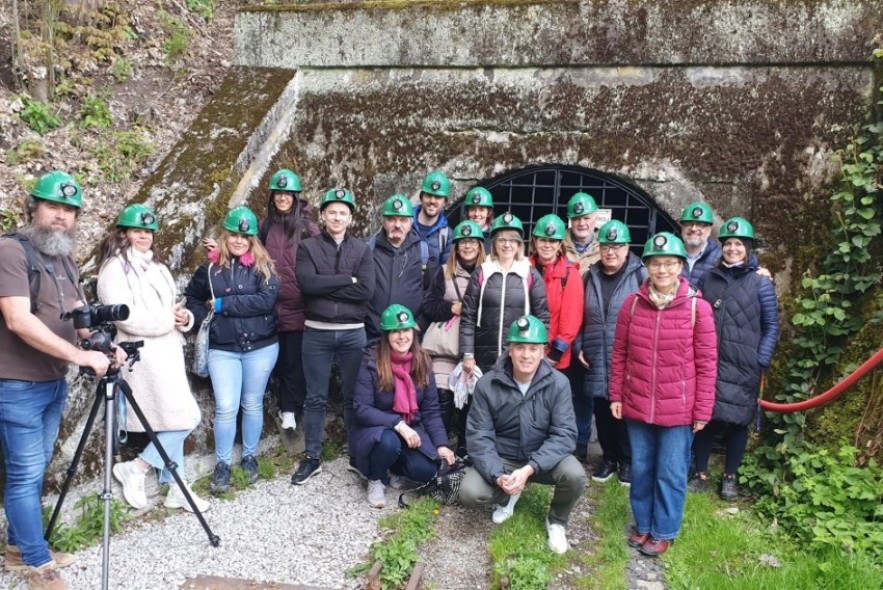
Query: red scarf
x: 405, y: 401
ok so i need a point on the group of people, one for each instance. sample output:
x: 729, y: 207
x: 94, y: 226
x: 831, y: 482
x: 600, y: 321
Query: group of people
x: 526, y: 347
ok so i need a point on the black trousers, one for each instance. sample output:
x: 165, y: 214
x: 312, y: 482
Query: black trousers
x: 735, y: 439
x: 613, y: 435
x: 291, y: 386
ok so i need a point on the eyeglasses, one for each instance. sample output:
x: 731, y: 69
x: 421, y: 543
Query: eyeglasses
x: 508, y: 241
x: 611, y: 247
x: 668, y: 266
x: 467, y: 242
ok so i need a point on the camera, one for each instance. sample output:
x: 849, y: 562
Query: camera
x: 95, y: 315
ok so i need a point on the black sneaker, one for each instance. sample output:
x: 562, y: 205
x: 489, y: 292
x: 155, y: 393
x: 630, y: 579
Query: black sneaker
x: 625, y: 474
x: 307, y: 469
x: 604, y: 471
x: 220, y: 478
x: 729, y: 489
x: 250, y: 465
x: 352, y: 467
x: 699, y: 483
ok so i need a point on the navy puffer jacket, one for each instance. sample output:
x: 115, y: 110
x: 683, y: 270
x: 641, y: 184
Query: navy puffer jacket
x: 746, y: 319
x: 599, y: 322
x: 706, y: 261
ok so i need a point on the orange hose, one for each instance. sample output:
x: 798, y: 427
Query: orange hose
x: 829, y: 395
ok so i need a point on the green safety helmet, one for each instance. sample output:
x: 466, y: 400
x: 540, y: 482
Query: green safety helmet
x: 467, y: 229
x: 528, y: 330
x: 664, y: 244
x: 138, y: 216
x: 614, y: 232
x: 550, y: 227
x: 59, y: 187
x: 580, y: 205
x: 338, y: 195
x: 736, y: 227
x: 241, y: 220
x: 697, y: 211
x: 398, y: 206
x: 436, y: 183
x: 479, y: 197
x: 286, y: 181
x: 397, y: 317
x: 507, y: 221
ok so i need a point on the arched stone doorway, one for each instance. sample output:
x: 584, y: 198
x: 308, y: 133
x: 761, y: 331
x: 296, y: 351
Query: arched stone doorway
x: 533, y: 192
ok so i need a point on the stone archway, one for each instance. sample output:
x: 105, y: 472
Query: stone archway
x: 533, y: 192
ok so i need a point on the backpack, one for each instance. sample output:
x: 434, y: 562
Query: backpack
x: 444, y: 488
x: 34, y: 269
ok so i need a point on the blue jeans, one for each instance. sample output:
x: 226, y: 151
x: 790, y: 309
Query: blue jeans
x: 173, y: 442
x: 30, y: 413
x: 660, y: 461
x: 240, y: 379
x: 321, y: 348
x: 391, y: 453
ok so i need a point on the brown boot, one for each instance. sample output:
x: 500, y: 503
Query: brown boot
x: 14, y: 562
x: 45, y: 577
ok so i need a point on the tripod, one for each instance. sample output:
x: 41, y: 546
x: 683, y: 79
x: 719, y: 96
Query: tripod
x: 107, y: 390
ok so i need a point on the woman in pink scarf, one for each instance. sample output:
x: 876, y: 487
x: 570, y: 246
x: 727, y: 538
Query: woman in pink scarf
x: 398, y: 426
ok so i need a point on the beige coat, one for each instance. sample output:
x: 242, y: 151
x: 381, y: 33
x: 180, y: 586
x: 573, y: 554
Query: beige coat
x: 587, y: 258
x: 159, y: 379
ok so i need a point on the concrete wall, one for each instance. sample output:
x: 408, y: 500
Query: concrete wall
x: 738, y: 103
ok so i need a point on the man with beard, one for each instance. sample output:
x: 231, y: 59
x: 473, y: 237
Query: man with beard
x: 580, y: 244
x: 429, y: 219
x: 35, y: 349
x: 702, y: 255
x: 521, y: 428
x: 402, y: 264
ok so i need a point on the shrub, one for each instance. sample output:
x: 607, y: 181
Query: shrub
x: 95, y: 114
x: 122, y: 70
x: 204, y: 8
x: 38, y: 116
x: 120, y: 153
x: 29, y: 149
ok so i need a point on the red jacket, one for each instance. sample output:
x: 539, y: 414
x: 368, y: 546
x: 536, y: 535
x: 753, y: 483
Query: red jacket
x: 564, y: 294
x: 664, y: 364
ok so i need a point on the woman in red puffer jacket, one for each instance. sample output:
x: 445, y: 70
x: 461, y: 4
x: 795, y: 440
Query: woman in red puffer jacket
x: 662, y: 381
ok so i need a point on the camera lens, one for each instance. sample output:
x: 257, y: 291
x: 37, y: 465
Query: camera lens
x: 111, y: 313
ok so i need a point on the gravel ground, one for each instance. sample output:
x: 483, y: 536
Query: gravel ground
x: 276, y: 532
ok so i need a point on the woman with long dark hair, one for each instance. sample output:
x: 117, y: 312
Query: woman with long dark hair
x: 131, y: 272
x: 398, y: 428
x: 289, y: 221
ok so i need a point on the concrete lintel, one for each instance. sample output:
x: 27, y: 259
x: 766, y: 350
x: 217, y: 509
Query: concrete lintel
x: 557, y: 32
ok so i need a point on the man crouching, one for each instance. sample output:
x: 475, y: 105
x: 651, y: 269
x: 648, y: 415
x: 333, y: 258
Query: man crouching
x: 521, y: 427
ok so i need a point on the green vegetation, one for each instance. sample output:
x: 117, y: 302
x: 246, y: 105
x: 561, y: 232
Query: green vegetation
x: 609, y: 553
x: 204, y: 8
x: 519, y: 550
x: 94, y: 113
x: 89, y: 527
x: 727, y: 551
x: 29, y: 149
x: 398, y: 552
x: 177, y: 40
x: 9, y: 220
x: 38, y: 116
x: 121, y: 69
x: 120, y: 152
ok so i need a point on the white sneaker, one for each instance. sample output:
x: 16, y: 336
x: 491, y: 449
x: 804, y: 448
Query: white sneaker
x: 503, y: 512
x: 376, y: 493
x: 176, y: 499
x: 557, y: 537
x: 288, y: 421
x: 132, y: 479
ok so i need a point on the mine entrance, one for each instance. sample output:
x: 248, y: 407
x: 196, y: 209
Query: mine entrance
x: 533, y: 192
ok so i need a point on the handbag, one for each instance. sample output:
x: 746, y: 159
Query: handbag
x: 444, y: 488
x: 200, y: 348
x: 443, y: 338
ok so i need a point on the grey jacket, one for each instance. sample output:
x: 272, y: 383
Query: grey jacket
x: 538, y: 428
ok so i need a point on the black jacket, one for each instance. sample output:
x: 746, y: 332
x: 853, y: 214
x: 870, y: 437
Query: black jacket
x: 325, y: 273
x: 400, y: 277
x: 247, y: 320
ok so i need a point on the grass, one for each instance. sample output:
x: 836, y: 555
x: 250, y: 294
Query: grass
x: 737, y: 552
x: 610, y: 554
x: 520, y: 556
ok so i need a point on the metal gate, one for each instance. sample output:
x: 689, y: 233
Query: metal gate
x: 530, y: 193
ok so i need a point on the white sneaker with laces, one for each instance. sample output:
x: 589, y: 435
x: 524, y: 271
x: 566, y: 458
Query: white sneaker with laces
x: 132, y: 479
x: 557, y: 537
x: 176, y: 499
x: 376, y: 493
x: 503, y: 512
x: 288, y: 421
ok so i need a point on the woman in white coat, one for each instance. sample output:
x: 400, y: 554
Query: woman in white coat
x: 132, y: 273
